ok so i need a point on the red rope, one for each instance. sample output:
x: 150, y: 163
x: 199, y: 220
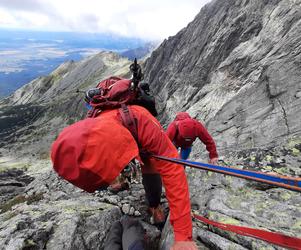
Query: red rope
x: 274, y: 238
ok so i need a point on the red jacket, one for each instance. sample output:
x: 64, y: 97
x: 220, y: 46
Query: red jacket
x: 152, y: 138
x: 104, y: 146
x: 199, y: 131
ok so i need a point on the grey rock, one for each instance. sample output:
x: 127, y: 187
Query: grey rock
x: 235, y: 67
x: 52, y: 214
x: 68, y: 224
x: 132, y: 211
x: 137, y: 213
x: 126, y: 208
x: 214, y: 241
x: 12, y: 183
x: 112, y: 199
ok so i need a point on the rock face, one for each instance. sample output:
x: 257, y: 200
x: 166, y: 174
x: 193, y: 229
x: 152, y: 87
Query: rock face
x: 52, y: 214
x: 237, y: 68
x: 12, y: 183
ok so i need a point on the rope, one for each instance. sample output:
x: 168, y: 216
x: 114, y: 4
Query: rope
x: 271, y: 237
x: 276, y: 180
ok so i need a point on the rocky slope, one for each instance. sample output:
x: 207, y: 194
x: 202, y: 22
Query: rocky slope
x: 51, y: 214
x: 236, y: 67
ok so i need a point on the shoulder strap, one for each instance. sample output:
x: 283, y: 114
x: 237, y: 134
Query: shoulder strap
x: 92, y: 113
x: 129, y: 121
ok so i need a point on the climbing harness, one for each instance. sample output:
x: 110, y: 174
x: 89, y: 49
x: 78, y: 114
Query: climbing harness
x: 271, y: 237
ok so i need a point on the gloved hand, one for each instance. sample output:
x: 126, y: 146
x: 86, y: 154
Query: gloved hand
x: 213, y: 161
x: 184, y: 245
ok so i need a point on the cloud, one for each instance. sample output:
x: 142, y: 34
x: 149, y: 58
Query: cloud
x: 154, y: 19
x: 29, y: 5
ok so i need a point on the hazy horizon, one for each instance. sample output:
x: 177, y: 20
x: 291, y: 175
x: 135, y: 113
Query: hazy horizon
x: 26, y: 55
x: 143, y: 19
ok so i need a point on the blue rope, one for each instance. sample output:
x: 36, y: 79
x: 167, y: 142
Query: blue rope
x: 249, y: 173
x: 294, y: 183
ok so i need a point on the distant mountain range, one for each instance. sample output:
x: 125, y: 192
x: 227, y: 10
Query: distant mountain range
x: 25, y: 55
x: 139, y: 52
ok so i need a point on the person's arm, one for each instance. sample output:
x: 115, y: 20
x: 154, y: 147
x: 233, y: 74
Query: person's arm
x: 206, y: 138
x: 153, y: 139
x: 171, y: 131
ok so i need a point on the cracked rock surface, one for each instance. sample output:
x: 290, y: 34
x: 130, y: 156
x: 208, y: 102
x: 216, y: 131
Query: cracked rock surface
x: 236, y: 67
x: 241, y: 202
x: 53, y: 214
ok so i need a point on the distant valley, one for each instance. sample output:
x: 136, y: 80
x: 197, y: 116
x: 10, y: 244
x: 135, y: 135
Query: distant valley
x: 26, y: 55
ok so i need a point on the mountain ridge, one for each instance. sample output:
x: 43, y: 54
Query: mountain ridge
x: 48, y: 97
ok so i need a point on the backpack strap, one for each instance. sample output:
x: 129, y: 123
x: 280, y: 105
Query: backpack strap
x: 129, y: 121
x: 93, y: 112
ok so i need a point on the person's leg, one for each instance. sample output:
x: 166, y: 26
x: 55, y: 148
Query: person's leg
x: 153, y: 188
x: 185, y: 152
x: 133, y: 234
x: 114, y: 238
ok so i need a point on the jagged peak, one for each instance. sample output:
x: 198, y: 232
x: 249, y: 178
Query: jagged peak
x: 65, y: 66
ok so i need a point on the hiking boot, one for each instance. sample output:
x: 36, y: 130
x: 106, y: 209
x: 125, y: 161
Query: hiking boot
x: 118, y: 186
x: 157, y: 215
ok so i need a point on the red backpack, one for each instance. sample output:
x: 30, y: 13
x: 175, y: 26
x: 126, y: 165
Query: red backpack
x: 73, y: 153
x: 185, y: 134
x: 109, y: 94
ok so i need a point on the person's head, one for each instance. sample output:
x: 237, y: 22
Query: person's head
x: 182, y: 116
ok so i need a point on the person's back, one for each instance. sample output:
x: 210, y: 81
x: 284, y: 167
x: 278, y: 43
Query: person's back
x: 184, y: 130
x: 108, y: 149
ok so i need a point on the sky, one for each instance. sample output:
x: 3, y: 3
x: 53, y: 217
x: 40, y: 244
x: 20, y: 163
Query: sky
x: 147, y: 19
